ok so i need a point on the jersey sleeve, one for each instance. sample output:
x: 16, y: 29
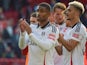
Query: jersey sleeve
x: 23, y: 40
x: 76, y: 36
x: 78, y: 33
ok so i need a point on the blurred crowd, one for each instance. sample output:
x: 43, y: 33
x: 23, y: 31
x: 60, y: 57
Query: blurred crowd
x: 10, y: 12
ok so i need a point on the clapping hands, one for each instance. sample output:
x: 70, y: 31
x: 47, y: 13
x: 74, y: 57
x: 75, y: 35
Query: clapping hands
x: 61, y: 36
x: 24, y: 26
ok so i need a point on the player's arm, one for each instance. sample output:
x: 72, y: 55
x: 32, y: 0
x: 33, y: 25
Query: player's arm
x: 59, y: 49
x: 69, y: 44
x: 45, y: 44
x: 72, y: 42
x: 23, y: 40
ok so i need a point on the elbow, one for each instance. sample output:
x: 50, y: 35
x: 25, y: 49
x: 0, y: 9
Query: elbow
x: 58, y: 50
x: 69, y: 49
x: 60, y: 53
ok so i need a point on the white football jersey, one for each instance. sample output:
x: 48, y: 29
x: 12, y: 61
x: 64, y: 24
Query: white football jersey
x: 78, y: 33
x: 41, y: 44
x: 58, y: 59
x: 66, y: 53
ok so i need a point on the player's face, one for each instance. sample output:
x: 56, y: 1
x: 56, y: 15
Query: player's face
x: 70, y: 12
x: 43, y: 14
x: 58, y: 15
x: 33, y: 20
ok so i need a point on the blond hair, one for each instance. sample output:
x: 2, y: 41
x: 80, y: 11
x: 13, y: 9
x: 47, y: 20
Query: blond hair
x: 78, y: 5
x: 59, y: 5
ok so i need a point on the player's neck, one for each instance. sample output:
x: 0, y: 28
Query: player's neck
x: 74, y: 21
x: 43, y: 23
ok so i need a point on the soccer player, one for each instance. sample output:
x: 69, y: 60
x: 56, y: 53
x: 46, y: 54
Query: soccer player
x: 59, y: 17
x: 42, y: 37
x: 33, y: 20
x: 74, y: 40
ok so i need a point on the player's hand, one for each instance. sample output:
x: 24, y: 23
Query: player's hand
x: 24, y: 26
x: 60, y: 38
x: 21, y: 25
x: 27, y: 28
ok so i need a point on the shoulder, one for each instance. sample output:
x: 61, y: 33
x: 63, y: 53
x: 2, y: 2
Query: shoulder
x: 80, y: 28
x: 77, y: 27
x: 53, y: 28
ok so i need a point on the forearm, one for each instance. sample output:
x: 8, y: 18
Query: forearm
x: 44, y: 44
x: 67, y: 44
x: 59, y: 49
x: 22, y: 43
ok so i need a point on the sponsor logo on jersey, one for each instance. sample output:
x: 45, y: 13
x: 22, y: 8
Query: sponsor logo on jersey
x: 75, y: 35
x: 51, y: 36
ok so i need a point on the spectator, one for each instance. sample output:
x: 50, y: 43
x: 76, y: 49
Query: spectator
x: 2, y: 17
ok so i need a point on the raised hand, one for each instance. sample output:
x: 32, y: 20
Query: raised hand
x: 60, y: 38
x: 21, y: 25
x: 27, y: 28
x: 24, y: 26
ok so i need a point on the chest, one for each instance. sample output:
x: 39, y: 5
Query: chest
x: 66, y: 31
x: 41, y: 33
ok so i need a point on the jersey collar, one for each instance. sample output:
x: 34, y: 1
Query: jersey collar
x: 75, y: 24
x: 47, y: 24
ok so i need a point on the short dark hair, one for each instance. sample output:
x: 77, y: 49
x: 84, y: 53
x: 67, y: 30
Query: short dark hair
x: 46, y: 5
x: 59, y: 5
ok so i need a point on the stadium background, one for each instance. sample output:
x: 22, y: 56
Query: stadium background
x: 10, y: 12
